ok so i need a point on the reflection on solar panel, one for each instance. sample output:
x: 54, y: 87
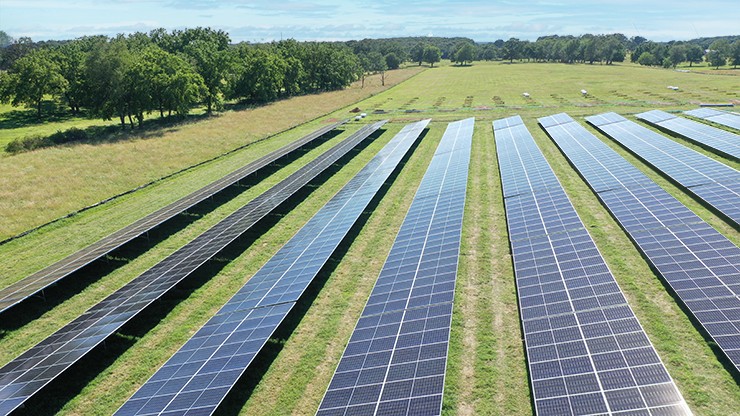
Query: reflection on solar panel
x: 720, y: 140
x: 714, y: 182
x: 27, y: 374
x: 30, y: 285
x: 700, y: 264
x: 720, y: 117
x: 395, y: 361
x: 197, y: 378
x: 586, y: 351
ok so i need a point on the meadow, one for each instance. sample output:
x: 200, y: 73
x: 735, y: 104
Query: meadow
x: 486, y: 373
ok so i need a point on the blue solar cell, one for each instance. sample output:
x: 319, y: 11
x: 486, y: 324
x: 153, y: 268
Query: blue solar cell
x: 571, y: 307
x: 716, y: 116
x: 408, y: 314
x: 719, y: 140
x: 700, y: 264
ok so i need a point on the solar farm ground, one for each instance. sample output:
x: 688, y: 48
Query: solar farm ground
x: 486, y: 371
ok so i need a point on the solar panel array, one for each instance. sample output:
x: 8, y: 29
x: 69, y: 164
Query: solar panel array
x: 714, y: 182
x: 30, y: 285
x: 395, y: 361
x: 586, y: 351
x: 27, y: 374
x: 700, y: 264
x: 197, y: 378
x: 716, y: 116
x: 720, y: 140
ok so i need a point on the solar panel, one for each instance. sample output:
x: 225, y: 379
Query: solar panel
x: 690, y: 169
x: 395, y: 361
x: 698, y: 263
x: 36, y: 282
x: 722, y: 141
x: 27, y: 374
x: 716, y: 116
x: 197, y: 378
x: 586, y: 351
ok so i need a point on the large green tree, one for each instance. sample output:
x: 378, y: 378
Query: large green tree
x: 718, y: 53
x: 734, y: 53
x: 694, y: 54
x: 417, y: 53
x: 105, y: 71
x: 173, y: 83
x: 432, y: 55
x: 71, y: 58
x: 512, y: 49
x: 464, y: 54
x: 31, y: 78
x: 259, y: 74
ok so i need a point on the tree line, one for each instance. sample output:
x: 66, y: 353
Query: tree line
x: 128, y: 77
x: 170, y: 72
x: 668, y: 55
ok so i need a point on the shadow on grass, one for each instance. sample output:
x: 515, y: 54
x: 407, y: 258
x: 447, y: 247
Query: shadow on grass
x: 55, y: 395
x: 36, y: 306
x: 95, y: 135
x: 51, y: 112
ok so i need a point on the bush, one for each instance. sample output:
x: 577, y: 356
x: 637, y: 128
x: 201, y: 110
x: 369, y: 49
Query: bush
x: 27, y: 144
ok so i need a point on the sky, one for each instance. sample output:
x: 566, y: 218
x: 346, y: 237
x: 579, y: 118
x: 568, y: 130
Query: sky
x: 267, y: 20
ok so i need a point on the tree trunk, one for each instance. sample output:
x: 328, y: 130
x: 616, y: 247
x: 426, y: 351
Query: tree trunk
x: 38, y: 109
x: 123, y: 120
x: 131, y: 120
x: 382, y: 78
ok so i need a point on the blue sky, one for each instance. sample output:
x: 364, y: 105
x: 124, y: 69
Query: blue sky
x: 266, y: 20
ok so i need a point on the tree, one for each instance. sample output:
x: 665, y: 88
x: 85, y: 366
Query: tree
x: 172, y: 82
x: 31, y: 78
x: 417, y: 53
x: 392, y: 60
x: 432, y: 55
x: 676, y: 55
x: 105, y: 89
x: 213, y: 64
x: 71, y: 60
x: 5, y: 39
x: 465, y: 53
x: 375, y: 62
x: 260, y: 74
x: 734, y: 53
x: 511, y: 49
x: 694, y: 54
x: 647, y: 59
x: 718, y: 53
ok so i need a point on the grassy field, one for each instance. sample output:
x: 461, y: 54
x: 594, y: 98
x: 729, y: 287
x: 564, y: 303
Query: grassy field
x: 487, y: 373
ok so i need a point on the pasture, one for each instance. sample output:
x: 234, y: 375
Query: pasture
x: 486, y: 372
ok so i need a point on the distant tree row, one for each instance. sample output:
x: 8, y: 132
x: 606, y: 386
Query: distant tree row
x: 671, y: 54
x: 127, y: 77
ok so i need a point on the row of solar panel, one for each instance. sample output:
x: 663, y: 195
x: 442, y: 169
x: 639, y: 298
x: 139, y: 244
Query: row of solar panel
x: 394, y: 363
x: 714, y: 182
x: 27, y: 374
x: 700, y: 265
x: 716, y: 116
x: 586, y: 351
x: 38, y: 281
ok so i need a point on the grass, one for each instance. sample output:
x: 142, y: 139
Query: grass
x: 487, y: 372
x: 39, y: 186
